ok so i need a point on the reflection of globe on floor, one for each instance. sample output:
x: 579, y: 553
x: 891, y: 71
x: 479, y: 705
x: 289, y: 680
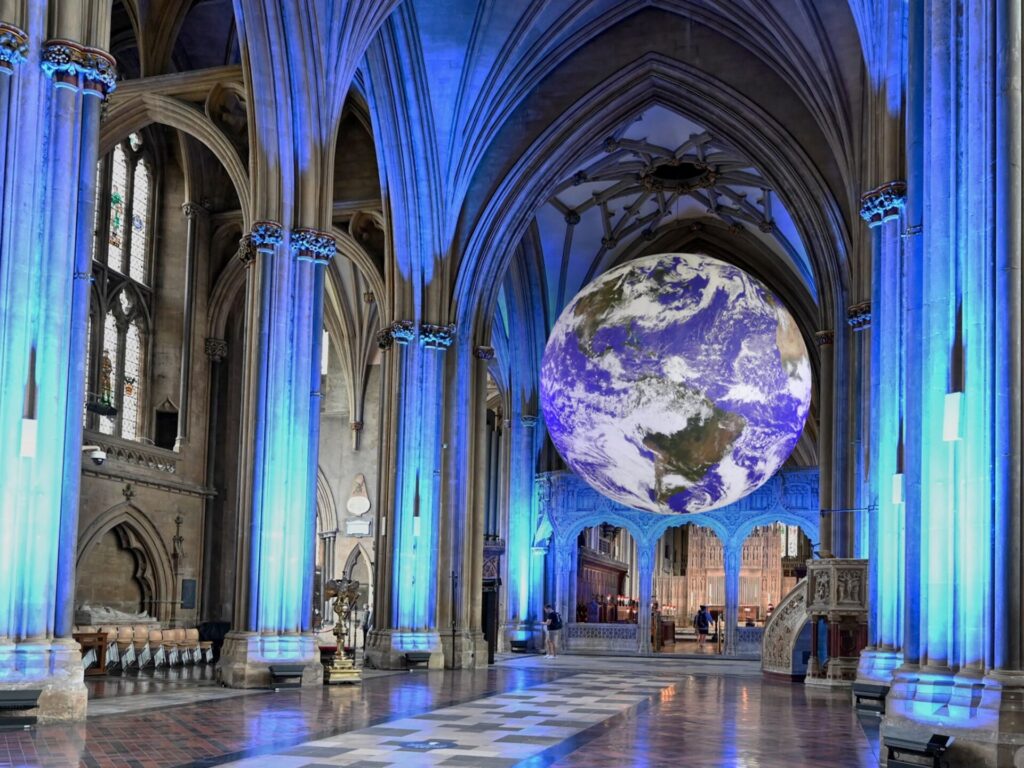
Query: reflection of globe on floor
x: 675, y: 383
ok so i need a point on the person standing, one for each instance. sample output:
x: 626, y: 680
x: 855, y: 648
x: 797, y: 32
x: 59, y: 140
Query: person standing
x: 702, y: 623
x: 553, y: 630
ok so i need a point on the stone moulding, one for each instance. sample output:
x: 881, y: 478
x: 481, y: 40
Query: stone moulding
x: 72, y: 64
x: 883, y: 203
x: 137, y: 455
x: 312, y: 245
x: 13, y: 47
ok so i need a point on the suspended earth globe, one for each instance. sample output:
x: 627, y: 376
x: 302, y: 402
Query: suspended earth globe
x: 675, y: 383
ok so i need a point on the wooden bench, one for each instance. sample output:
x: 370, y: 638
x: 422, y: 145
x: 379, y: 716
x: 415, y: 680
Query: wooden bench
x: 286, y: 676
x: 19, y: 699
x: 417, y: 658
x: 932, y: 750
x: 870, y: 697
x: 519, y: 646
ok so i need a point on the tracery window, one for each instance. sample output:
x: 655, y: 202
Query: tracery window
x: 119, y: 320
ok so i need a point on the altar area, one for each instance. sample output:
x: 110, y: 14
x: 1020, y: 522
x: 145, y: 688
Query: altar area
x: 614, y: 585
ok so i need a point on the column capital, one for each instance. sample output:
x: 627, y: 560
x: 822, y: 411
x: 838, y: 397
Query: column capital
x: 858, y: 316
x: 193, y: 210
x: 246, y: 250
x: 483, y: 352
x: 312, y: 245
x: 216, y: 349
x: 13, y: 47
x: 528, y: 420
x: 355, y: 426
x: 266, y: 234
x: 883, y: 202
x: 73, y: 65
x: 437, y: 336
x: 825, y: 338
x: 402, y: 331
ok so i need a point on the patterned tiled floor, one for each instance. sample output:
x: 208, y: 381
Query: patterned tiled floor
x: 496, y: 732
x: 572, y: 712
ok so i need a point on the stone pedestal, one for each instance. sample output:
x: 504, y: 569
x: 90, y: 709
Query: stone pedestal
x: 341, y: 670
x: 877, y: 666
x: 55, y: 667
x: 470, y: 650
x: 530, y: 632
x: 246, y: 657
x: 984, y: 714
x: 386, y: 648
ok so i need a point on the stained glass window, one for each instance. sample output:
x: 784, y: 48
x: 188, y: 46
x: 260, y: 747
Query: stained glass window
x: 130, y: 382
x: 140, y: 219
x: 116, y: 347
x: 118, y: 201
x: 108, y: 364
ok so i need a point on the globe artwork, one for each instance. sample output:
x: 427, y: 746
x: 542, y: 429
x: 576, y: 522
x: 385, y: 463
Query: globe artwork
x: 675, y: 383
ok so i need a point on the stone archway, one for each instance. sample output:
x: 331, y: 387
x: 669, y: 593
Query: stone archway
x: 134, y: 534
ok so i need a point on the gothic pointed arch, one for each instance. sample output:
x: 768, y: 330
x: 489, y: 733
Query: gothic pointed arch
x: 137, y: 534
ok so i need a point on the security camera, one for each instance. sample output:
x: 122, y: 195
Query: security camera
x: 97, y: 454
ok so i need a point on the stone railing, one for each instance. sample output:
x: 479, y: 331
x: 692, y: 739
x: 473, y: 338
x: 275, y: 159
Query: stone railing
x: 748, y: 641
x: 781, y: 633
x: 132, y: 453
x: 601, y: 638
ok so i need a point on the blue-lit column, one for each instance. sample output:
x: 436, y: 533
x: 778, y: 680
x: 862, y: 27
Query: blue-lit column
x: 284, y: 322
x: 882, y: 210
x: 416, y: 358
x: 645, y: 551
x: 525, y: 588
x: 963, y: 639
x: 733, y: 561
x: 50, y: 96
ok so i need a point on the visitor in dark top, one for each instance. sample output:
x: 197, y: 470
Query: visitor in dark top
x: 553, y: 630
x: 702, y: 623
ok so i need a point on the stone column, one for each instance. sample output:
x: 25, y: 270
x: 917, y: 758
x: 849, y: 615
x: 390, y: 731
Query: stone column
x: 416, y: 363
x: 216, y: 350
x: 284, y: 321
x: 524, y: 599
x: 882, y: 209
x: 50, y: 98
x: 962, y: 673
x: 645, y: 562
x: 192, y: 212
x: 733, y: 559
x: 826, y: 414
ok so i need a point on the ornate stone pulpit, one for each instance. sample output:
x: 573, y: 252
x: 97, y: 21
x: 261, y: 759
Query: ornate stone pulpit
x: 837, y: 592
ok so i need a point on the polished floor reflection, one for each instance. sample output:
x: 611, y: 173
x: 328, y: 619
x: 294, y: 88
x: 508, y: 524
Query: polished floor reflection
x: 572, y: 711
